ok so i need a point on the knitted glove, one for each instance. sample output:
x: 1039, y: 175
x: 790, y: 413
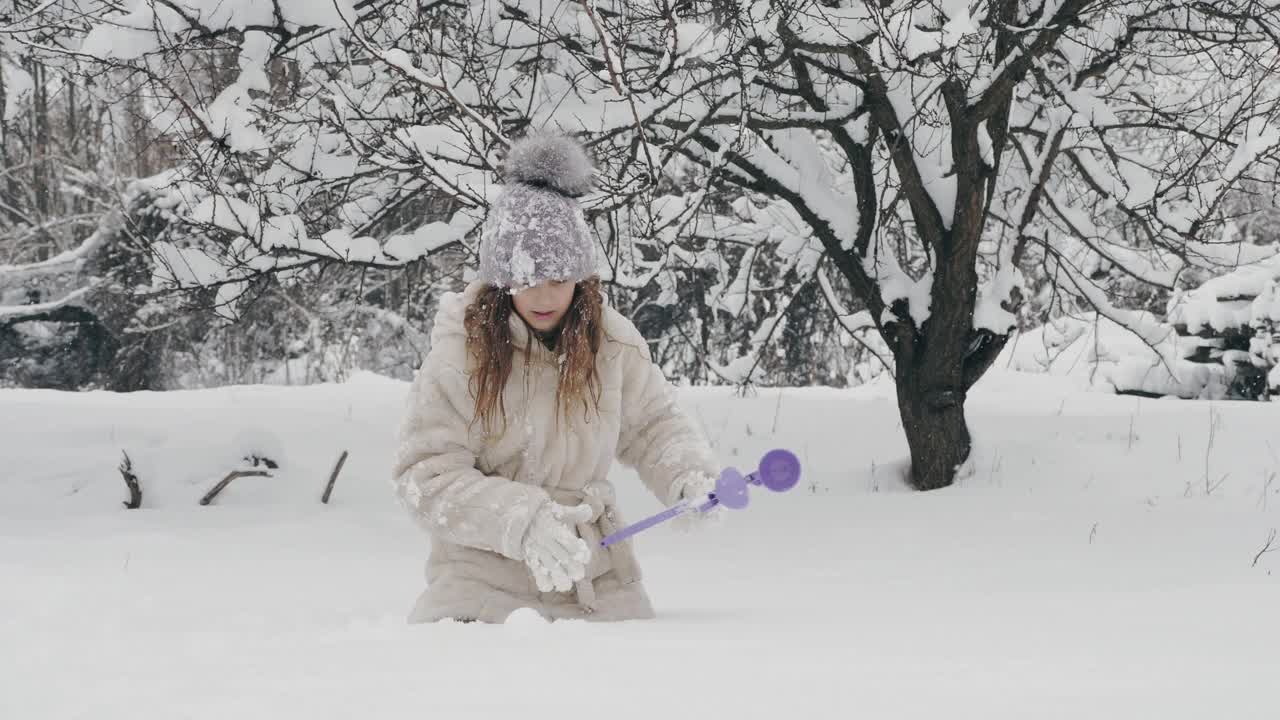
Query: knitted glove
x: 693, y: 490
x: 555, y: 554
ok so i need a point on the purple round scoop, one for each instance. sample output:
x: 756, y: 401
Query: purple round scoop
x: 779, y: 470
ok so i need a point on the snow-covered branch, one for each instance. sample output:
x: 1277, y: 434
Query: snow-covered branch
x: 66, y: 261
x: 12, y: 312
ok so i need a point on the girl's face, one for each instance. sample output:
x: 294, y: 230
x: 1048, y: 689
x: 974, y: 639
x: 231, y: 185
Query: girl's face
x: 543, y: 306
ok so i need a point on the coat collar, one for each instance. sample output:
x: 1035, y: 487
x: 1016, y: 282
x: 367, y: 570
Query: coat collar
x: 521, y: 335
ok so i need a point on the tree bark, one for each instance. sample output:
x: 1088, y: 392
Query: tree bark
x: 931, y: 382
x: 933, y: 375
x: 937, y: 432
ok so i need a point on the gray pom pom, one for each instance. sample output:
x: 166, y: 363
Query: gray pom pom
x: 550, y: 160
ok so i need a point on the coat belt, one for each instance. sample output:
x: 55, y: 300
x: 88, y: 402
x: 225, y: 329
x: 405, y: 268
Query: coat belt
x: 602, y: 499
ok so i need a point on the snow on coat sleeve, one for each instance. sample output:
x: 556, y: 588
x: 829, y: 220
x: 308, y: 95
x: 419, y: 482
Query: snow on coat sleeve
x: 658, y: 438
x: 435, y: 474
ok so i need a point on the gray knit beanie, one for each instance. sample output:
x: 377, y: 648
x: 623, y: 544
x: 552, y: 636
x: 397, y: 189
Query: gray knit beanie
x: 535, y: 230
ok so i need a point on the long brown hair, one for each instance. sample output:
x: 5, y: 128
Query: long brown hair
x: 576, y: 344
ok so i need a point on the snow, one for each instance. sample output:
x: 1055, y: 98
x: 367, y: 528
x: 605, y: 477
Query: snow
x: 989, y: 311
x: 288, y: 232
x: 1097, y: 352
x: 65, y: 261
x: 227, y: 300
x: 1259, y: 137
x: 72, y: 298
x: 1098, y: 559
x: 228, y: 213
x: 323, y: 156
x: 18, y: 86
x: 183, y: 266
x: 833, y: 25
x: 421, y: 242
x: 799, y: 166
x: 283, y: 231
x: 985, y: 145
x: 1085, y: 568
x: 695, y: 40
x: 230, y: 119
x: 446, y: 152
x: 1239, y: 299
x: 958, y: 26
x: 137, y: 32
x: 133, y: 34
x: 923, y: 118
x: 1092, y: 109
x: 736, y: 293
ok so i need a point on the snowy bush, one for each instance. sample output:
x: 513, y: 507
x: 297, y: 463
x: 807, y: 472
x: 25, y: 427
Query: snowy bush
x: 1234, y: 321
x: 1104, y: 355
x: 1221, y: 340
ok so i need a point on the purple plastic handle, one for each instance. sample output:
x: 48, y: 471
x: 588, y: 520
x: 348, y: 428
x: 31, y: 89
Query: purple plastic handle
x: 779, y: 471
x: 650, y: 521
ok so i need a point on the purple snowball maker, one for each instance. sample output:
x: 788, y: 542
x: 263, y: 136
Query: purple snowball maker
x: 779, y: 471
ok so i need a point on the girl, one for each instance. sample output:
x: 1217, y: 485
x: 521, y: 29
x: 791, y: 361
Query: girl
x: 532, y: 387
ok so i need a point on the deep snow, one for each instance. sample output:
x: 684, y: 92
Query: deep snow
x: 1096, y: 562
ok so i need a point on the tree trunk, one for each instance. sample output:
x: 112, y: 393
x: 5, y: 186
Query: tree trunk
x: 933, y: 373
x: 41, y: 167
x: 935, y: 365
x: 934, y: 423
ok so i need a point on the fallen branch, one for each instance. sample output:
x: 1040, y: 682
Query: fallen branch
x: 333, y: 477
x: 209, y: 496
x: 131, y: 479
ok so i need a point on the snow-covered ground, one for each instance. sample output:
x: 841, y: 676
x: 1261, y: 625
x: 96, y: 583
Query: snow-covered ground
x: 1097, y: 562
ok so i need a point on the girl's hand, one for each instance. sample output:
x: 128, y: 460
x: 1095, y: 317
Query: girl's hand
x: 555, y: 554
x: 694, y: 489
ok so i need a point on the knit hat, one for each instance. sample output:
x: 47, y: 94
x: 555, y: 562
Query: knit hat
x: 535, y: 230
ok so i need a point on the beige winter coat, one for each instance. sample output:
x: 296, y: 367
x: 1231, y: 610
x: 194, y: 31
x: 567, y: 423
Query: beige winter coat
x: 476, y: 494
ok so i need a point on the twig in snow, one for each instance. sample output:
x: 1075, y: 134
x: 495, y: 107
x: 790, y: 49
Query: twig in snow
x: 1266, y: 489
x: 1265, y: 548
x: 333, y: 478
x: 1214, y: 419
x: 209, y: 496
x: 776, y: 411
x: 131, y: 479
